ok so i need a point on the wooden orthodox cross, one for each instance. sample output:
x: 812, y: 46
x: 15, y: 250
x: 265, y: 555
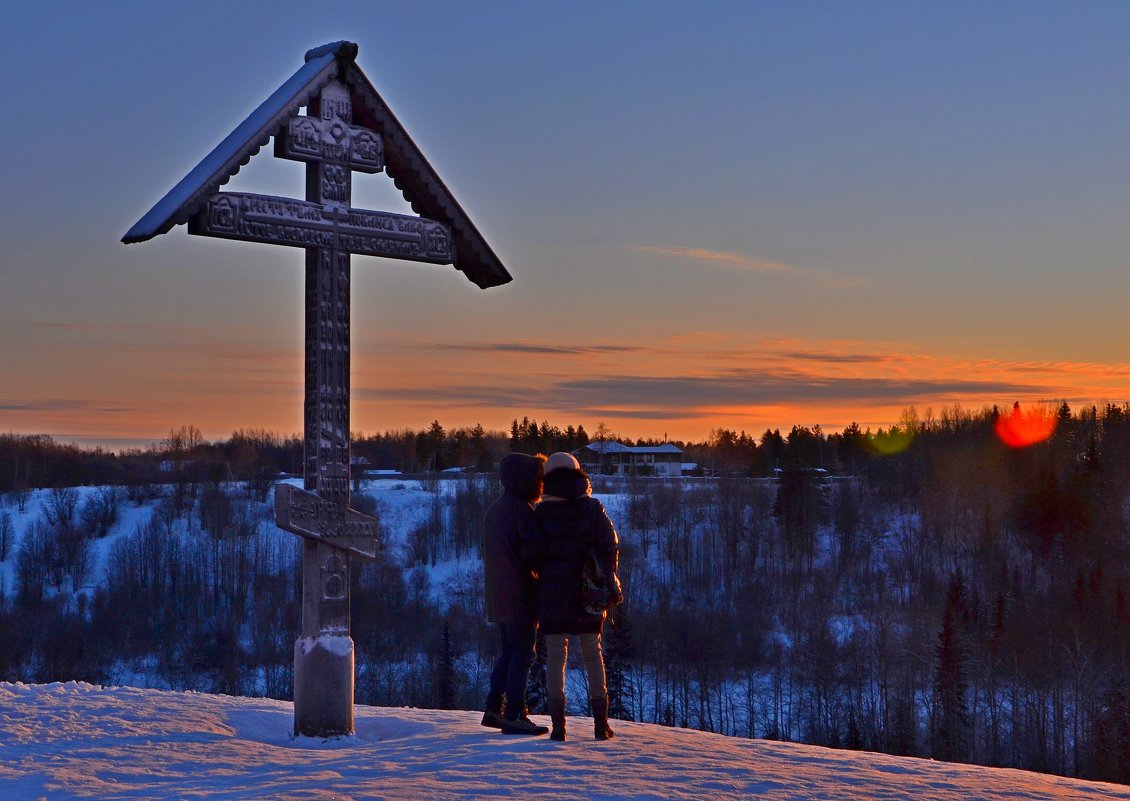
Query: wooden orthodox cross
x: 330, y: 231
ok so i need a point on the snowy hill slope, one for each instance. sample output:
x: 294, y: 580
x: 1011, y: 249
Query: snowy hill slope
x: 61, y: 742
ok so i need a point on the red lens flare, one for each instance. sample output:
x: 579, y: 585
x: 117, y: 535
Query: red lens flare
x: 1021, y: 428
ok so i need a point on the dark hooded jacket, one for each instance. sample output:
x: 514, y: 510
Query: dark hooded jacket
x: 567, y: 523
x: 509, y: 583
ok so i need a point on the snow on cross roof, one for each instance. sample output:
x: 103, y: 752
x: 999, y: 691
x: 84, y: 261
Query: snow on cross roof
x: 238, y: 147
x: 404, y: 163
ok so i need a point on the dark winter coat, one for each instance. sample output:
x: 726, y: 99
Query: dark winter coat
x: 509, y: 583
x: 566, y: 524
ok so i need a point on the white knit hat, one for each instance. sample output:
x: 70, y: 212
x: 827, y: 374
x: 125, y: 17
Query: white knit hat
x: 561, y: 459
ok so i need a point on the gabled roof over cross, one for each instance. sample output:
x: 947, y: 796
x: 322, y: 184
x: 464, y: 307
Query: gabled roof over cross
x: 405, y: 164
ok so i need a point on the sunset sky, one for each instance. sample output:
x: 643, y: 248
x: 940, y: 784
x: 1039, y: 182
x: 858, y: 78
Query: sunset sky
x: 738, y: 214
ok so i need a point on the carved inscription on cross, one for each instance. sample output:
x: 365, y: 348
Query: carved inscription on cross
x: 331, y: 139
x: 284, y: 221
x: 307, y: 515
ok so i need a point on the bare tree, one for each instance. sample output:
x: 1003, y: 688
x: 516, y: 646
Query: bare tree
x: 61, y: 506
x: 183, y: 441
x: 22, y: 492
x: 100, y: 512
x: 33, y: 562
x: 6, y: 535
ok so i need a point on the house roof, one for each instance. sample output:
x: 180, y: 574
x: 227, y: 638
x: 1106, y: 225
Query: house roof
x: 405, y: 164
x: 605, y: 447
x: 616, y: 447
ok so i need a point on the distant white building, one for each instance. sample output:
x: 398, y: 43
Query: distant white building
x: 613, y: 458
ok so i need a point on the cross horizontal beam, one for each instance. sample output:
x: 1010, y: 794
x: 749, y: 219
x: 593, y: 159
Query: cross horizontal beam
x: 308, y: 515
x: 315, y: 139
x: 301, y: 223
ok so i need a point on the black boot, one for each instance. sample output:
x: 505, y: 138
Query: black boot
x: 557, y: 715
x: 521, y: 724
x: 600, y: 728
x: 492, y: 716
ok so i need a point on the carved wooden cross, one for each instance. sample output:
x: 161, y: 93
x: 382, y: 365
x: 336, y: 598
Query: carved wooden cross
x: 329, y: 230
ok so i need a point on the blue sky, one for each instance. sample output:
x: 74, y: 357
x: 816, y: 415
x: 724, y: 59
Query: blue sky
x: 743, y: 214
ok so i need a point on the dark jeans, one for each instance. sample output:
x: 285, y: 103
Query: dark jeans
x: 512, y: 668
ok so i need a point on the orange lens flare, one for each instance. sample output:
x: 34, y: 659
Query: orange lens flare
x: 1021, y: 428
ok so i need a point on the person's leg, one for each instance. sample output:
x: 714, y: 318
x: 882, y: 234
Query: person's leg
x: 515, y: 720
x: 594, y: 665
x: 492, y: 714
x: 598, y: 687
x: 522, y: 655
x: 556, y: 653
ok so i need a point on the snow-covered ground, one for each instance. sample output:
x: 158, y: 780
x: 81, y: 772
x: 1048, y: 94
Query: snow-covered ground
x: 76, y: 741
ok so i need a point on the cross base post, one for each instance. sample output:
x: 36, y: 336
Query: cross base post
x: 323, y: 686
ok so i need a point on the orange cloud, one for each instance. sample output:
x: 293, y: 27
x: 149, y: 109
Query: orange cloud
x: 720, y: 258
x: 106, y: 384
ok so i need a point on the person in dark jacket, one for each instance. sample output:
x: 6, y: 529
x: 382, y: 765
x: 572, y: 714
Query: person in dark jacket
x: 569, y: 524
x: 510, y: 593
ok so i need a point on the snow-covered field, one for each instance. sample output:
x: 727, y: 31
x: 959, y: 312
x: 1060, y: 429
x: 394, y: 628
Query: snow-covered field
x: 76, y: 741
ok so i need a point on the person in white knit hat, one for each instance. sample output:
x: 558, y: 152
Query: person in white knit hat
x: 568, y: 526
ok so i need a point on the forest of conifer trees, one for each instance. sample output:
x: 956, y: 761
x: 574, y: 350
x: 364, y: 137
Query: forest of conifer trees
x: 921, y: 590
